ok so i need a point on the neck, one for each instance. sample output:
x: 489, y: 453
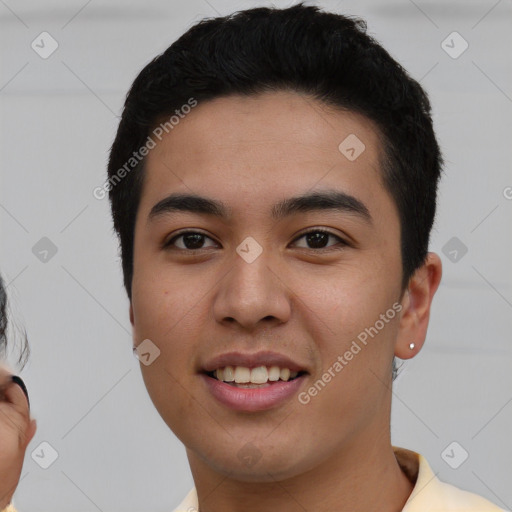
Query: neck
x: 364, y: 477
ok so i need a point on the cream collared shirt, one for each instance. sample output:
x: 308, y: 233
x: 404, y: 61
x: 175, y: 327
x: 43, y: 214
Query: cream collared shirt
x: 429, y: 494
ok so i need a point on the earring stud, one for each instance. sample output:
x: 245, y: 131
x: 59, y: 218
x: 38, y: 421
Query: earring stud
x: 411, y: 346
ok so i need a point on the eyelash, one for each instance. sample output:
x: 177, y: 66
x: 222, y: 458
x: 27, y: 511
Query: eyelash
x: 343, y: 243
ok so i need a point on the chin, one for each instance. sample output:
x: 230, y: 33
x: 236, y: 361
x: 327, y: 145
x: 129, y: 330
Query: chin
x: 251, y: 465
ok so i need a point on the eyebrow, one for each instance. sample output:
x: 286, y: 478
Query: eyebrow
x: 332, y: 200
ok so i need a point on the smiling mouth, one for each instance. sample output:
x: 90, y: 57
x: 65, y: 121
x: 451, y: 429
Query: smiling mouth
x: 261, y: 376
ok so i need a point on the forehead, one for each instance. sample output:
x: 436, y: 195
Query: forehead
x: 251, y: 151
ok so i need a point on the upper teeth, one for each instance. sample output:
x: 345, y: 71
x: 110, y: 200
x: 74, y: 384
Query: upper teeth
x: 259, y: 375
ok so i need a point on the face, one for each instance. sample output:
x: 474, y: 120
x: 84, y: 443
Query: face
x: 276, y: 281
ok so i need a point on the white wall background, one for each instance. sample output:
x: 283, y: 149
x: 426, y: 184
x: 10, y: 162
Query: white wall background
x: 58, y: 119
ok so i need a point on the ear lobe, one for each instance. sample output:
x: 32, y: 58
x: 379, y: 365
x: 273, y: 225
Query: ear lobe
x: 31, y: 431
x: 416, y: 304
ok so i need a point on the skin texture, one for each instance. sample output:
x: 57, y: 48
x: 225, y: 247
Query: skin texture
x: 304, y: 302
x: 16, y: 431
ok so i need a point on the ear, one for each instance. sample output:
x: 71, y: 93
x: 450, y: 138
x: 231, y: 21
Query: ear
x: 416, y: 304
x: 31, y: 431
x: 131, y: 314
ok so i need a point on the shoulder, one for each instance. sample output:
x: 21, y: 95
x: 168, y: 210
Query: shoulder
x: 430, y: 494
x: 9, y: 508
x: 451, y: 498
x: 189, y: 503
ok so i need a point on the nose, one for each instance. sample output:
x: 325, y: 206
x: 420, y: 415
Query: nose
x: 253, y: 293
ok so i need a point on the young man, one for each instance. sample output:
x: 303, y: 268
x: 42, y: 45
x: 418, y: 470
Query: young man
x: 273, y: 184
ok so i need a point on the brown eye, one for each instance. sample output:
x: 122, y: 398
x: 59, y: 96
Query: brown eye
x: 319, y: 238
x: 191, y: 241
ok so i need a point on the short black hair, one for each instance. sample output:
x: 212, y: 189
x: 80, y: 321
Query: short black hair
x: 303, y: 49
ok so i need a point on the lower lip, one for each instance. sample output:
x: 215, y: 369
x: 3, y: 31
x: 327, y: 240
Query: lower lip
x: 253, y: 399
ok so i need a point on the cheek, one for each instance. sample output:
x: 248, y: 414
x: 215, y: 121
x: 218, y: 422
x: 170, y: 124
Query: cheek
x: 161, y: 300
x: 354, y: 378
x: 352, y: 318
x: 344, y: 300
x: 168, y: 392
x: 157, y: 314
x: 165, y: 317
